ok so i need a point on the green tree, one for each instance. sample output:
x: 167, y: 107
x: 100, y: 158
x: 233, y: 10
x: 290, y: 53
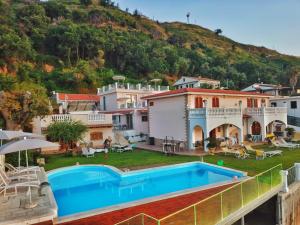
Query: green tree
x: 66, y: 133
x: 86, y: 2
x: 22, y: 103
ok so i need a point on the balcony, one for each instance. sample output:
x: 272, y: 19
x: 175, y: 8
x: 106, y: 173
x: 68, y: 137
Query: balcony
x: 90, y: 119
x: 267, y: 115
x: 265, y: 111
x: 131, y: 87
x: 214, y: 112
x: 133, y: 105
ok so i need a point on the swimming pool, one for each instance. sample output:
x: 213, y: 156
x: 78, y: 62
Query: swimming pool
x: 82, y: 188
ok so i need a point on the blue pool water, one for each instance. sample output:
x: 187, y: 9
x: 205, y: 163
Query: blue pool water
x: 82, y: 188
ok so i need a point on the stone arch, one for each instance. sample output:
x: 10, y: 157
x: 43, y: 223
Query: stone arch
x: 197, y: 136
x: 275, y: 126
x: 228, y: 130
x: 256, y: 128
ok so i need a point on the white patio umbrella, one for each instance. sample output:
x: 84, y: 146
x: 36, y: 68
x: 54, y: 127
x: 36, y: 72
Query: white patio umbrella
x: 14, y: 134
x: 24, y: 145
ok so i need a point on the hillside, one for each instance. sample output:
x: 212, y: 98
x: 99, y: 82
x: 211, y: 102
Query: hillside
x: 77, y: 46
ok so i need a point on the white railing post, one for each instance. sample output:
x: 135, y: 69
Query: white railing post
x: 284, y: 175
x: 297, y: 169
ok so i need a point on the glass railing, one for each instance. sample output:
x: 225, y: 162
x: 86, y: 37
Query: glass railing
x: 214, y: 209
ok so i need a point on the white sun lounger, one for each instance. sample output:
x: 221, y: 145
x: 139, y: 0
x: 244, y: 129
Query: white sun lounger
x: 273, y: 153
x: 15, y: 171
x: 288, y: 143
x: 13, y: 183
x: 281, y: 145
x: 88, y: 152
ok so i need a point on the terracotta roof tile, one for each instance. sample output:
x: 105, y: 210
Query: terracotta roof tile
x: 78, y: 97
x: 202, y: 90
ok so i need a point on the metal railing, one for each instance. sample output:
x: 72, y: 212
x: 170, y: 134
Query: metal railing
x: 127, y: 86
x: 217, y: 207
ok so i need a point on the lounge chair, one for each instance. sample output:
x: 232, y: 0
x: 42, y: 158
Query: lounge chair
x: 279, y: 144
x: 15, y: 171
x: 99, y: 150
x: 88, y: 152
x: 281, y: 140
x: 125, y: 148
x: 241, y: 154
x: 226, y: 150
x: 273, y: 153
x: 6, y: 184
x: 261, y: 154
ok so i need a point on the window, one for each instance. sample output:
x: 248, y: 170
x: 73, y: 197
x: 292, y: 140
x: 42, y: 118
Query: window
x: 151, y: 103
x: 249, y: 102
x: 293, y: 104
x: 104, y: 103
x: 215, y: 102
x: 96, y: 136
x: 198, y: 102
x: 274, y: 104
x: 255, y: 103
x: 145, y: 118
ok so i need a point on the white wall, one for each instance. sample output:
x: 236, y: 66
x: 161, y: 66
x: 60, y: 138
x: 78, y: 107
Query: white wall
x: 286, y: 102
x: 167, y: 118
x: 138, y: 124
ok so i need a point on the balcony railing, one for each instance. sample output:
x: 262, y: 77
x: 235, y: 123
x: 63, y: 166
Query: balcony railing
x: 132, y: 105
x: 220, y: 206
x: 134, y: 87
x: 205, y: 112
x: 87, y: 119
x: 265, y: 111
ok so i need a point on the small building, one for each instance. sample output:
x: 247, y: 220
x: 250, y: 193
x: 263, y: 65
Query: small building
x: 192, y: 115
x: 76, y: 102
x: 292, y: 103
x: 125, y: 103
x: 196, y: 82
x: 99, y: 125
x: 270, y: 89
x: 79, y: 107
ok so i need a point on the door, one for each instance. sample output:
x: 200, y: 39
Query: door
x: 129, y: 122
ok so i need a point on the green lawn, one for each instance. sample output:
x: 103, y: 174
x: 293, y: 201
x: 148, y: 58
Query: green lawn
x: 143, y: 159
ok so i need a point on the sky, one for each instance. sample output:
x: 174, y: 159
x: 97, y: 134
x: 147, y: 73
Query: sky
x: 274, y: 24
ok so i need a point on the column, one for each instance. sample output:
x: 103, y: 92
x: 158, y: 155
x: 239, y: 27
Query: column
x: 205, y: 136
x: 284, y: 174
x: 190, y: 135
x: 241, y: 136
x: 226, y: 130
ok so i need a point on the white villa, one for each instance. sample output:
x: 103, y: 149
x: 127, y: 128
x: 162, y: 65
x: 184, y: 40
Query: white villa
x: 191, y: 115
x: 125, y: 103
x: 78, y: 107
x: 196, y: 82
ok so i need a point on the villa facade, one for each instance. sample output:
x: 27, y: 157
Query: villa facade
x: 125, y: 103
x: 83, y: 108
x: 191, y: 115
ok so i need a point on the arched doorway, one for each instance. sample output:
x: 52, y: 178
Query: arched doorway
x: 198, y: 136
x: 256, y: 128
